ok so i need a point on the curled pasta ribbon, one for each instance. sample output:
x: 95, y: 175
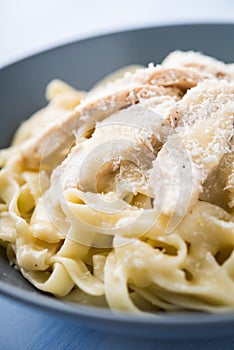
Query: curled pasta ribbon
x: 179, y: 276
x: 58, y: 282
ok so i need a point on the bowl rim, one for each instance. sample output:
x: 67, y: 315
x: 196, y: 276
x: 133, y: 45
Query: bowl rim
x: 74, y: 41
x: 196, y: 324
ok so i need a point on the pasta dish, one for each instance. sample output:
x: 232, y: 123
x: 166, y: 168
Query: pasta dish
x: 123, y: 196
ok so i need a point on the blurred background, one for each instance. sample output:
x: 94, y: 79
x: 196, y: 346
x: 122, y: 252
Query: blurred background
x: 29, y: 26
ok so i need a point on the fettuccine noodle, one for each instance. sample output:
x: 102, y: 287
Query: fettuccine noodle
x: 123, y: 196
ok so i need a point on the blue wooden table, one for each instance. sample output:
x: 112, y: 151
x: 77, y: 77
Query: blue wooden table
x: 26, y: 328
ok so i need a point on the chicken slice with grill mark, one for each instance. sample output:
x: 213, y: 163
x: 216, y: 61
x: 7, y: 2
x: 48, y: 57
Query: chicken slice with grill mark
x: 117, y: 157
x: 218, y: 188
x: 204, y: 128
x: 207, y: 66
x: 182, y: 78
x: 51, y: 146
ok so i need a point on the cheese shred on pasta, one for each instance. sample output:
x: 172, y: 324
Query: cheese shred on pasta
x: 123, y: 196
